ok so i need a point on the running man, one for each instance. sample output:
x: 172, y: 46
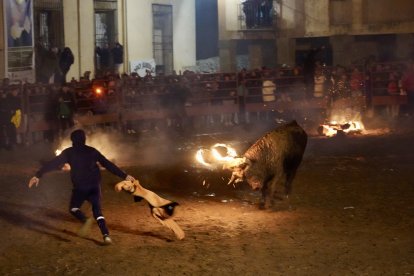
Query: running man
x: 86, y: 179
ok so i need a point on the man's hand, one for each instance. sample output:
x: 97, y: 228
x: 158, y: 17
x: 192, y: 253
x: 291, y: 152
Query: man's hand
x: 34, y: 181
x: 125, y: 185
x: 130, y: 178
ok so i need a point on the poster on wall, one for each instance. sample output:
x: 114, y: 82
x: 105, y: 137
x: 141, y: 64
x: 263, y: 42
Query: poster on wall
x: 141, y: 67
x: 18, y: 16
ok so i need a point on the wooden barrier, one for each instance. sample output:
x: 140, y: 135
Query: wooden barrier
x: 389, y: 100
x: 209, y: 109
x: 314, y: 103
x: 90, y: 119
x: 136, y: 115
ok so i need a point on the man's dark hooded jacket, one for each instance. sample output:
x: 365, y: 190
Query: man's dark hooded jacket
x: 83, y: 160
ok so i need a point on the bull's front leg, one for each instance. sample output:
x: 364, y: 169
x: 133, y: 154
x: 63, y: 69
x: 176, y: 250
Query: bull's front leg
x: 268, y: 191
x: 263, y: 199
x: 274, y: 184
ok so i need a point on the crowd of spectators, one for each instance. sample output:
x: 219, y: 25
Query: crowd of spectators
x: 230, y: 93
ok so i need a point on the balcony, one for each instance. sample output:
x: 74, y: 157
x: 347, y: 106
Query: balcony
x: 256, y: 15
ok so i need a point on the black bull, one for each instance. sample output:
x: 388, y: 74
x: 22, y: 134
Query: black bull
x: 272, y: 162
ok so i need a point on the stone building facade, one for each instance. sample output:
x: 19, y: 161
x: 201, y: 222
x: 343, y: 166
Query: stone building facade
x: 353, y: 30
x: 163, y: 30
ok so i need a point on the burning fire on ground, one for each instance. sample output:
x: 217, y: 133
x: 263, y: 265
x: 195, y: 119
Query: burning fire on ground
x: 342, y: 120
x: 334, y: 128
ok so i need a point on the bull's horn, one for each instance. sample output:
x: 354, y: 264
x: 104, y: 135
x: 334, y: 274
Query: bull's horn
x: 247, y: 161
x: 233, y: 177
x: 236, y: 162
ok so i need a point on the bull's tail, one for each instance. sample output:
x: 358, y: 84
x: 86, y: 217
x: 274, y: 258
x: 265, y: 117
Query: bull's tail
x: 290, y: 167
x: 288, y: 183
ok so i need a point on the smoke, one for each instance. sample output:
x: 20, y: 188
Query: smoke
x: 130, y: 150
x: 110, y: 144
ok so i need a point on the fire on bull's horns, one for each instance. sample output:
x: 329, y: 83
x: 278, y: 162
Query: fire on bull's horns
x: 218, y: 156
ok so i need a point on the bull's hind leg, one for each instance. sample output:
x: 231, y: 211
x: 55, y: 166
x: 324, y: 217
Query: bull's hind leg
x: 288, y: 183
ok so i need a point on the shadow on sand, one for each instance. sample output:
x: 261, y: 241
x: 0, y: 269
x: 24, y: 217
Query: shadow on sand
x: 22, y: 215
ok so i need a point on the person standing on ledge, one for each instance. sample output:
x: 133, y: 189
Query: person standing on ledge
x: 86, y: 179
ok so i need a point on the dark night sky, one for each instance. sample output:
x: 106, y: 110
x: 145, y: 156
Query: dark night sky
x: 206, y: 29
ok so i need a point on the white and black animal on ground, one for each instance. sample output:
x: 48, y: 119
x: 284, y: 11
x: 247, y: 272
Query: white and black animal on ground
x: 271, y: 162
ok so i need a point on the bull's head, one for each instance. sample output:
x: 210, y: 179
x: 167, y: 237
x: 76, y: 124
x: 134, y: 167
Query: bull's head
x: 238, y: 167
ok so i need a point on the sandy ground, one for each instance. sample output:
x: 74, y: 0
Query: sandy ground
x: 351, y: 213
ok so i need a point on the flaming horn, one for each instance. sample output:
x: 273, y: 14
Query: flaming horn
x: 161, y: 209
x: 237, y: 166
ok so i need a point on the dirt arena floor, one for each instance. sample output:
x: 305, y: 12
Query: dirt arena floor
x: 351, y: 213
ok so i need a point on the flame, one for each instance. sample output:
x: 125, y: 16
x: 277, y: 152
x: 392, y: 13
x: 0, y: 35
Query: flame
x: 200, y: 157
x: 212, y: 157
x: 61, y: 148
x: 66, y: 166
x: 331, y: 129
x: 231, y: 153
x: 98, y: 91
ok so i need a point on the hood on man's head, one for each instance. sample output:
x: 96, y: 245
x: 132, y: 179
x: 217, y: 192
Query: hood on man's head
x: 78, y: 137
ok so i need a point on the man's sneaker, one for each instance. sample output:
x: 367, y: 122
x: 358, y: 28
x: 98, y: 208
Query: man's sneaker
x: 107, y: 239
x: 86, y: 228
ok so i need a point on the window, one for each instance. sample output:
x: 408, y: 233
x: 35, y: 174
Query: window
x: 48, y: 24
x: 104, y: 28
x: 105, y: 22
x: 44, y: 28
x: 162, y: 38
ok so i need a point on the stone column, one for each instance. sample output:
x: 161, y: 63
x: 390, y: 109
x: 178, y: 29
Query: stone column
x: 255, y: 56
x: 286, y: 51
x: 342, y: 49
x: 79, y: 30
x: 227, y: 53
x: 269, y: 54
x: 405, y: 47
x: 357, y: 15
